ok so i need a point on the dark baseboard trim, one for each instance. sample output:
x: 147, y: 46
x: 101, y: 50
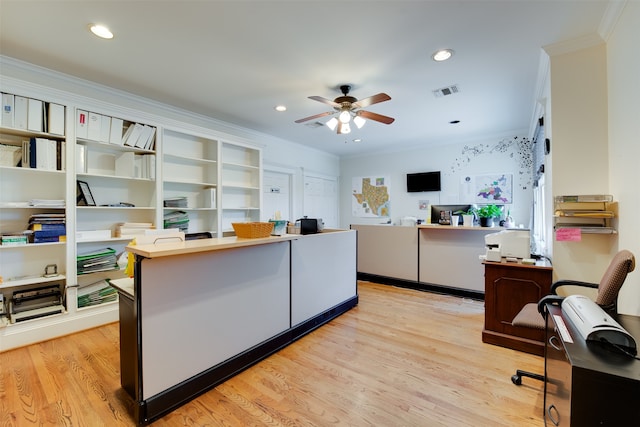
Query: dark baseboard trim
x: 422, y: 286
x: 170, y: 399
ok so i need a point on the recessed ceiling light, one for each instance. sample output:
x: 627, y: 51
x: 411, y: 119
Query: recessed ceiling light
x: 280, y: 108
x: 442, y: 55
x: 101, y: 31
x: 357, y: 140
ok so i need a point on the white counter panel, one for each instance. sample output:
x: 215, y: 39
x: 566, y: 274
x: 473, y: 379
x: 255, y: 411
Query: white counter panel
x: 213, y: 305
x: 323, y: 273
x: 387, y: 250
x: 449, y: 257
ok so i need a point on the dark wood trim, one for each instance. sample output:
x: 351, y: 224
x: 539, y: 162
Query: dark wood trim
x: 422, y: 286
x: 170, y: 399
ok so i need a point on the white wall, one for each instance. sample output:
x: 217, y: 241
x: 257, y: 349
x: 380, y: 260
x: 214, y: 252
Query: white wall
x: 623, y: 68
x: 499, y: 155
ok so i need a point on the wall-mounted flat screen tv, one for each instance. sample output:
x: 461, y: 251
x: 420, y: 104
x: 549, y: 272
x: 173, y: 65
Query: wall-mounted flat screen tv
x: 423, y: 181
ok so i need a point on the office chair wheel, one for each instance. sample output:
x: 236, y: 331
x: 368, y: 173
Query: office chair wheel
x: 516, y: 379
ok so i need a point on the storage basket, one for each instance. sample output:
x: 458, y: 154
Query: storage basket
x: 252, y: 229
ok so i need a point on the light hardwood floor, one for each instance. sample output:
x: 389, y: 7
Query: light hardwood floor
x: 400, y: 358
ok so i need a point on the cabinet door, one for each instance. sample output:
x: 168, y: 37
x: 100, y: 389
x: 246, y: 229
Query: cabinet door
x: 557, y: 387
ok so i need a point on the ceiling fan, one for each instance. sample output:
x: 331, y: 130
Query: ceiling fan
x: 348, y: 107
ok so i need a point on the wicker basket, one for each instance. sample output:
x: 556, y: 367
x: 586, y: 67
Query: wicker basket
x: 252, y: 229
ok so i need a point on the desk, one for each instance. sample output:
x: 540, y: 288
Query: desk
x: 508, y: 287
x: 200, y: 311
x: 587, y: 385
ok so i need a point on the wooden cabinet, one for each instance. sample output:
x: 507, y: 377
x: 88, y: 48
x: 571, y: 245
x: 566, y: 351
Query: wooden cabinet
x: 508, y: 287
x: 587, y: 384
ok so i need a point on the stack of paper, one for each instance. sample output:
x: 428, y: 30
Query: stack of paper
x: 99, y: 260
x: 177, y: 219
x: 132, y: 229
x: 96, y: 293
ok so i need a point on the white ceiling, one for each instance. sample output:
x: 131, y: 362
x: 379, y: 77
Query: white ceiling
x: 236, y: 60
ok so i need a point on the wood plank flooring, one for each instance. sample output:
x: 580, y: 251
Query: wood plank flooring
x: 400, y: 358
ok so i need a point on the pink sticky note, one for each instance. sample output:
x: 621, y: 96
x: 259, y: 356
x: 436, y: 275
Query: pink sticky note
x: 568, y: 235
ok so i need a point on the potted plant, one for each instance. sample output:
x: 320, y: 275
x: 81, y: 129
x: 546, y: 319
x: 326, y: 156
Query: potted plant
x: 486, y: 214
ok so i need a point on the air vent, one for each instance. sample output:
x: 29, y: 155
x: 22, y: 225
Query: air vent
x: 314, y: 124
x: 445, y: 91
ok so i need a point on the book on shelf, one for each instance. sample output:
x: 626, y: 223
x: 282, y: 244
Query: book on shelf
x: 55, y: 118
x: 94, y: 127
x: 175, y: 202
x: 99, y: 260
x: 47, y: 203
x: 35, y: 115
x: 82, y: 124
x: 8, y: 110
x: 21, y: 112
x: 96, y: 293
x: 132, y: 134
x: 10, y: 155
x: 132, y: 229
x: 105, y: 128
x: 177, y: 219
x: 115, y: 132
x: 16, y: 238
x: 55, y: 226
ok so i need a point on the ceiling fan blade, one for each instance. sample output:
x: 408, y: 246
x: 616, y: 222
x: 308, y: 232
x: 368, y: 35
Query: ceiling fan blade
x: 328, y: 113
x: 365, y: 102
x: 375, y: 116
x: 325, y: 101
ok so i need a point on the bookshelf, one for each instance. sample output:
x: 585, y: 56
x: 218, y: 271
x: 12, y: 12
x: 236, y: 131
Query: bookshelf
x: 33, y: 168
x: 592, y: 214
x: 241, y: 184
x: 190, y: 178
x: 220, y: 182
x: 116, y: 159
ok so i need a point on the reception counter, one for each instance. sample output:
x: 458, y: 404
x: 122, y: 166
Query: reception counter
x: 200, y: 311
x: 431, y: 257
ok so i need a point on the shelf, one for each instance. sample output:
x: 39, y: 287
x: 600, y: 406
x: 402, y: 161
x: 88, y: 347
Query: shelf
x: 30, y: 280
x: 592, y: 213
x: 108, y: 147
x: 30, y: 133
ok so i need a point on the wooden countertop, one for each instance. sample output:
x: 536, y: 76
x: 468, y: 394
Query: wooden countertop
x: 540, y: 263
x: 204, y: 245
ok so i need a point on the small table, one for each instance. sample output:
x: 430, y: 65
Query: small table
x: 508, y: 287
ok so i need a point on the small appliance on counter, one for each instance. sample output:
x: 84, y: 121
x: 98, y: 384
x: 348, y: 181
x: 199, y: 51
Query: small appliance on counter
x: 512, y: 243
x: 309, y: 225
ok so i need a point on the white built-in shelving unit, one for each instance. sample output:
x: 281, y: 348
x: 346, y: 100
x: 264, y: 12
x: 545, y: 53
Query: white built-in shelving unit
x: 220, y: 179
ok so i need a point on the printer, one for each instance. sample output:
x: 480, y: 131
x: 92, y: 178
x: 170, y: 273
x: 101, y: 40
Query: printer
x: 510, y: 243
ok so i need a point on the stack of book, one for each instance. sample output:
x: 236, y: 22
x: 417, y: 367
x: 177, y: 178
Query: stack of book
x: 14, y: 238
x: 177, y: 219
x: 47, y: 227
x: 132, y: 229
x: 175, y: 202
x: 99, y: 260
x: 96, y: 293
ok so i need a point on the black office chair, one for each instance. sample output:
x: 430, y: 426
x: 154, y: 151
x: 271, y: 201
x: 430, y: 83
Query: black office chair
x: 605, y: 294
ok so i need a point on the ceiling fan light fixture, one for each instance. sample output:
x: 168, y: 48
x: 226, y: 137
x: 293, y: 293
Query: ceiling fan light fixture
x: 344, y: 116
x: 331, y: 124
x: 359, y: 121
x: 343, y: 128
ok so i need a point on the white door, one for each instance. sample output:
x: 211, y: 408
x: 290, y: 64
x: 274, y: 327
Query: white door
x: 321, y: 199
